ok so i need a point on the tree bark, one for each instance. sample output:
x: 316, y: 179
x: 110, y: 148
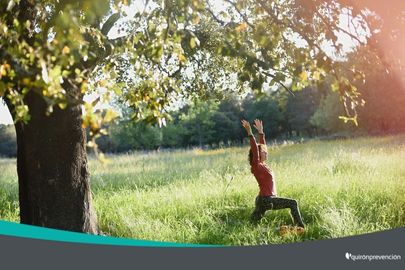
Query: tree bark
x: 53, y: 177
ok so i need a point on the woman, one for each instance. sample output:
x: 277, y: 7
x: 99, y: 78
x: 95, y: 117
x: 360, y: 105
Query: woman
x: 267, y: 198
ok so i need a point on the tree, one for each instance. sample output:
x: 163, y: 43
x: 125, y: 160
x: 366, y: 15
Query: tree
x: 227, y: 121
x: 382, y: 91
x: 198, y: 123
x: 173, y: 135
x: 300, y: 108
x: 326, y: 116
x: 53, y: 52
x: 129, y: 135
x: 267, y: 109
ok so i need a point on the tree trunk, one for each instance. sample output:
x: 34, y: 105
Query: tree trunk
x: 53, y: 178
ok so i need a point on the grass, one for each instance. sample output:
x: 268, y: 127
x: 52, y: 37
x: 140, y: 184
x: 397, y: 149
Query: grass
x: 344, y: 187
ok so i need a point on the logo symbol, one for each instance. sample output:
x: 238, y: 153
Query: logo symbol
x: 348, y: 255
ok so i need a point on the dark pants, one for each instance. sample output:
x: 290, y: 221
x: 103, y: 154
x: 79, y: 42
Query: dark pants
x: 264, y: 203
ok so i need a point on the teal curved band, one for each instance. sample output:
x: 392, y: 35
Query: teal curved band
x: 34, y: 232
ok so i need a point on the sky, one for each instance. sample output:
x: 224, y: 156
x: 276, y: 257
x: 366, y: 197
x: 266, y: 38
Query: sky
x: 5, y: 117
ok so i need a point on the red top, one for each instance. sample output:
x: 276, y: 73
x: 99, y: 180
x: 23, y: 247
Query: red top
x: 263, y: 174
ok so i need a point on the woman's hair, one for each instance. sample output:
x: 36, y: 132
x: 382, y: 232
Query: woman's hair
x: 261, y: 147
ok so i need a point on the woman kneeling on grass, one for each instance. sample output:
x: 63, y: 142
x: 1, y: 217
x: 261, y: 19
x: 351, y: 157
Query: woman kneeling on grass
x: 267, y: 198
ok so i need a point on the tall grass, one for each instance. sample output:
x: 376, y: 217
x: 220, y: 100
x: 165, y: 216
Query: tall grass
x: 344, y: 188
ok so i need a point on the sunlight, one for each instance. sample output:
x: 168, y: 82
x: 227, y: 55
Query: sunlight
x: 5, y: 116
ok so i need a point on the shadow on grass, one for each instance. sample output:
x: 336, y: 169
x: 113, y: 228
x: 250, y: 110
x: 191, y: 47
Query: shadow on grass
x: 228, y: 222
x: 234, y: 227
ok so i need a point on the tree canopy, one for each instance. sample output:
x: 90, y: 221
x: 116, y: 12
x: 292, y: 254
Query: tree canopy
x: 153, y: 52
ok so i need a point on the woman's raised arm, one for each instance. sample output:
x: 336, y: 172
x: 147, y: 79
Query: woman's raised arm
x: 253, y: 144
x: 259, y: 126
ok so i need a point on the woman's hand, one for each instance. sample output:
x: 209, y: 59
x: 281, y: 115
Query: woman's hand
x: 246, y: 125
x: 258, y: 125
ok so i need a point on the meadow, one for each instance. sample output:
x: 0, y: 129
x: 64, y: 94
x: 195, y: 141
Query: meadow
x: 343, y: 187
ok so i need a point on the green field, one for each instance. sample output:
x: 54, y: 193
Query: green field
x: 343, y: 188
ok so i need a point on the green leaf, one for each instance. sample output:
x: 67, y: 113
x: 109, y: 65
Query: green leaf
x: 303, y: 76
x: 62, y: 105
x: 335, y: 86
x: 193, y: 43
x: 2, y: 88
x: 109, y: 116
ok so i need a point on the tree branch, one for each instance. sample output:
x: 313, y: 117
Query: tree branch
x: 336, y: 27
x: 240, y: 13
x: 110, y: 23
